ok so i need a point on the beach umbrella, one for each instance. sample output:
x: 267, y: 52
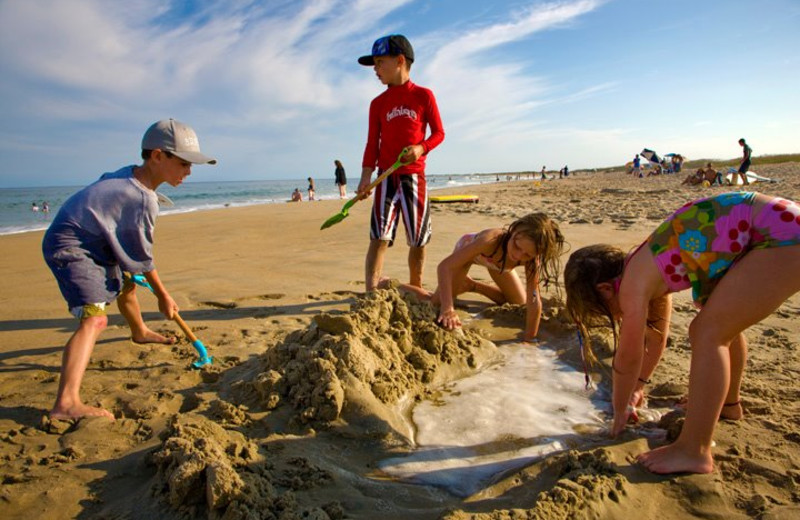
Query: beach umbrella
x: 349, y: 204
x: 650, y: 155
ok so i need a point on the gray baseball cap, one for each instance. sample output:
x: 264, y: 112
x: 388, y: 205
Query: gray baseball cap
x: 177, y: 138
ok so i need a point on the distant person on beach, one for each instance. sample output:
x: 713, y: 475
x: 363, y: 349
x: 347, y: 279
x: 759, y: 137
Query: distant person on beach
x: 103, y: 233
x: 744, y: 166
x: 544, y: 173
x: 566, y: 171
x: 534, y: 242
x: 693, y: 179
x: 310, y: 189
x: 695, y: 248
x: 398, y: 119
x: 34, y: 207
x: 45, y: 208
x: 637, y: 166
x: 297, y: 195
x: 677, y: 163
x: 340, y: 178
x: 712, y: 176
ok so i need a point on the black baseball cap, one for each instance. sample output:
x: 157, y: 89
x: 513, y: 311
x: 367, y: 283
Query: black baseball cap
x: 392, y: 45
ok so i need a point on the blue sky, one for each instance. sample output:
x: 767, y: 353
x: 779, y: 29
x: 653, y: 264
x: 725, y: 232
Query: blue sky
x: 274, y: 90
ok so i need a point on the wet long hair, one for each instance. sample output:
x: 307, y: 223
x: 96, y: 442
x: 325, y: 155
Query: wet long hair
x: 548, y: 240
x: 586, y: 268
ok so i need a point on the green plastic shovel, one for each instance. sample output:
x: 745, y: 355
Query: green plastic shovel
x: 343, y: 214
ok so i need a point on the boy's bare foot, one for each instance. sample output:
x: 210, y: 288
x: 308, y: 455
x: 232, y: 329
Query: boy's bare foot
x: 79, y: 410
x: 153, y: 337
x: 674, y: 459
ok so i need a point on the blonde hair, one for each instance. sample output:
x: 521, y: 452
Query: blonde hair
x: 547, y: 239
x: 586, y: 268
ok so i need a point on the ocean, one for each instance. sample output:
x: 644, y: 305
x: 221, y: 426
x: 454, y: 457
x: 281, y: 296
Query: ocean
x: 17, y: 215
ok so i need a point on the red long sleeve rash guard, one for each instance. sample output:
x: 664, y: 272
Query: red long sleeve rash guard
x: 398, y: 118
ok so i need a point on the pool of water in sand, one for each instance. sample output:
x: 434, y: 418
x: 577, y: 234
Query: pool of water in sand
x: 520, y: 407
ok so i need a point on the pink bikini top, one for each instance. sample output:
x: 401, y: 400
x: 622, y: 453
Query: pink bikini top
x: 482, y: 260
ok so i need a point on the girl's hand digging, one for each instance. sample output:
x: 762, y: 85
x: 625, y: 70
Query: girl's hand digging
x: 449, y: 319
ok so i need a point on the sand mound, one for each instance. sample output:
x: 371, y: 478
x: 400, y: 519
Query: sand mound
x: 360, y: 367
x: 352, y: 371
x: 585, y: 482
x: 581, y: 485
x: 203, y: 467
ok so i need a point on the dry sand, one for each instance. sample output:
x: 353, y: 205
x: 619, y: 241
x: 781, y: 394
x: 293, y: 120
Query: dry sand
x: 312, y: 381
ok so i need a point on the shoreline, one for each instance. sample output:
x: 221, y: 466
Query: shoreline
x: 210, y: 207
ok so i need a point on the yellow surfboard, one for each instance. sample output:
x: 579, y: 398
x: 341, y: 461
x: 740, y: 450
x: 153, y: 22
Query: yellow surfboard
x: 445, y: 199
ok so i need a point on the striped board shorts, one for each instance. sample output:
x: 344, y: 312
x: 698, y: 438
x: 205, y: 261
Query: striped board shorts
x: 405, y: 193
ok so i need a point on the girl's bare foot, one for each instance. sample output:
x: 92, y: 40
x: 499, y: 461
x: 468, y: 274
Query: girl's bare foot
x: 150, y: 336
x: 79, y: 410
x: 674, y: 459
x: 732, y: 411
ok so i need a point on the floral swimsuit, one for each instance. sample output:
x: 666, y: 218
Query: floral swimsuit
x: 697, y: 245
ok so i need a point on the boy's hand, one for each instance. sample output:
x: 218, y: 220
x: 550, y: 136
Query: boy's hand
x: 366, y: 179
x: 413, y: 153
x: 362, y: 191
x: 167, y: 306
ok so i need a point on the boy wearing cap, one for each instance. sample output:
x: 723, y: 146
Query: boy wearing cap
x: 100, y: 232
x: 398, y: 119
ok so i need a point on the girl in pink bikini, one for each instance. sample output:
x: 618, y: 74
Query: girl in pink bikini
x: 533, y: 241
x: 740, y: 255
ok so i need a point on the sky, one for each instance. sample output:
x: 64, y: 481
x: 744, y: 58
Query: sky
x: 274, y: 90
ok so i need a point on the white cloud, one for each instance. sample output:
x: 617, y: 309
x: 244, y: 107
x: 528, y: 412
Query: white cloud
x: 280, y: 77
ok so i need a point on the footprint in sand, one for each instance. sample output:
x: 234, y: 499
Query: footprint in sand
x: 335, y: 296
x: 220, y: 305
x: 273, y: 296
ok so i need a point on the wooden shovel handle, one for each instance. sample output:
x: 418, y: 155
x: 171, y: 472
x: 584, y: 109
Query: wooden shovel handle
x: 184, y: 327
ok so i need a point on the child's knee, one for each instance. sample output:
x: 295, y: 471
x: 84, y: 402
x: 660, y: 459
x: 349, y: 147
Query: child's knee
x: 99, y: 322
x: 91, y: 315
x: 706, y: 334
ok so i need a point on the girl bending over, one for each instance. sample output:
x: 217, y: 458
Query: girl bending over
x: 726, y: 249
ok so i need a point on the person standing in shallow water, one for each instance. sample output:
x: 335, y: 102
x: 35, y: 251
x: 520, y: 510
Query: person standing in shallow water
x: 725, y: 248
x: 340, y: 178
x: 311, y: 190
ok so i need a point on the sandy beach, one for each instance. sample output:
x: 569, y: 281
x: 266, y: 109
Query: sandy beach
x: 312, y: 381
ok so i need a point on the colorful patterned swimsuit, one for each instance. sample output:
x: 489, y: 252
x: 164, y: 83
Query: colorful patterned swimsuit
x: 697, y: 245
